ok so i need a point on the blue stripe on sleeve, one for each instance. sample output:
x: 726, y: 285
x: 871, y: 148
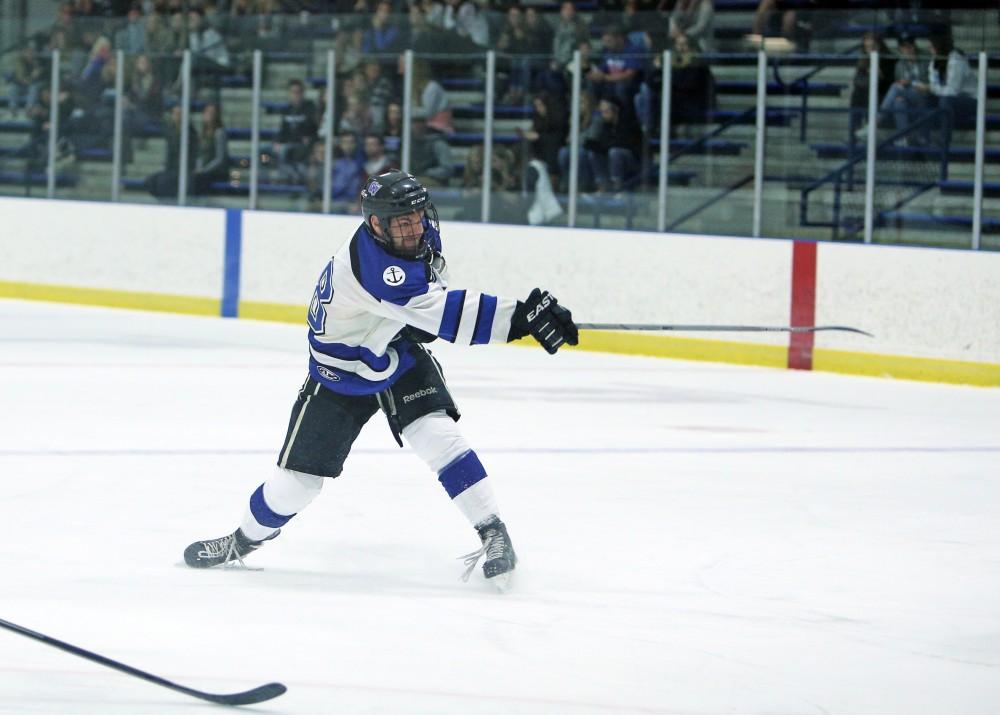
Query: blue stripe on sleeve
x: 484, y: 319
x: 461, y: 474
x: 452, y: 315
x: 264, y: 515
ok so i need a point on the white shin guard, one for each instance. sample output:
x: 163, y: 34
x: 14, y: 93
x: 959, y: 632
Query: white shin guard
x: 437, y: 441
x: 277, y: 500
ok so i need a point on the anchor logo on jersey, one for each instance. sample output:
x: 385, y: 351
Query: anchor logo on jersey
x: 393, y: 276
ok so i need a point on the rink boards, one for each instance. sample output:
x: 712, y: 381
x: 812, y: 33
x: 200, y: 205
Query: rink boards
x: 935, y: 312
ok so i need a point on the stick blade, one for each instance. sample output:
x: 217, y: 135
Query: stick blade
x: 259, y: 694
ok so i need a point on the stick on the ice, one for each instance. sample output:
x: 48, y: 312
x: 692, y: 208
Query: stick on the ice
x: 722, y: 328
x: 248, y: 697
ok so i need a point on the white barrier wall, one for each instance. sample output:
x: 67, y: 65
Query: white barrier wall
x: 935, y: 305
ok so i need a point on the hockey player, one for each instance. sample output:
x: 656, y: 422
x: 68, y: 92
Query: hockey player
x: 381, y: 296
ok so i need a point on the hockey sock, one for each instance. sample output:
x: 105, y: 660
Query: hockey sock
x: 436, y: 439
x: 277, y: 500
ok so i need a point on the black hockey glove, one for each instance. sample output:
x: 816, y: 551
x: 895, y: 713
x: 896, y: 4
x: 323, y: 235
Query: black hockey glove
x: 545, y: 320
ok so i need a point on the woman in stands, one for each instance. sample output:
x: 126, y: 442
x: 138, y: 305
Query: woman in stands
x: 212, y: 164
x: 952, y: 80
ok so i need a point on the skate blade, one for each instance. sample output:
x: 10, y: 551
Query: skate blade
x: 503, y: 582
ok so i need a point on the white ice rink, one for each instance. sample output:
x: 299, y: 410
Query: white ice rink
x: 693, y: 538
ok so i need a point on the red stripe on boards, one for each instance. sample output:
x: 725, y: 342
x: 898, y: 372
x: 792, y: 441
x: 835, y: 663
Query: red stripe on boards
x: 800, y: 347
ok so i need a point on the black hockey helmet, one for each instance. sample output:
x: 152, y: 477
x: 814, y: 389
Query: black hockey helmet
x: 396, y: 193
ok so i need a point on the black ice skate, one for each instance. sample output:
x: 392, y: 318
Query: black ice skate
x: 203, y: 554
x: 499, y: 552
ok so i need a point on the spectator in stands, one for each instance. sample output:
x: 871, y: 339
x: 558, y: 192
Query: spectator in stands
x: 355, y: 118
x: 297, y: 132
x: 164, y: 184
x: 952, y: 80
x: 37, y: 148
x: 615, y: 146
x: 212, y: 164
x: 131, y: 39
x: 468, y: 21
x: 392, y: 134
x: 269, y: 26
x: 384, y: 36
x: 617, y: 75
x: 570, y: 31
x: 348, y: 169
x: 905, y: 101
x: 590, y: 129
x: 378, y: 92
x: 549, y: 124
x: 695, y: 20
x: 432, y: 100
x: 871, y: 42
x: 143, y: 97
x: 692, y: 96
x: 376, y: 160
x: 163, y: 44
x: 25, y: 81
x: 208, y: 49
x: 430, y: 155
x: 503, y: 175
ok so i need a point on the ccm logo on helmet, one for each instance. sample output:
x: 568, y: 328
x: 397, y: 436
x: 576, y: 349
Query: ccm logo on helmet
x: 547, y: 300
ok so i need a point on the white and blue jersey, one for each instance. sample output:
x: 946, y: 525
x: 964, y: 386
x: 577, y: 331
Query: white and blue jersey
x: 366, y: 296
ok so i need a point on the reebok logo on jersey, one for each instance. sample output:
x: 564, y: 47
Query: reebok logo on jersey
x: 418, y: 394
x: 541, y: 307
x: 393, y: 276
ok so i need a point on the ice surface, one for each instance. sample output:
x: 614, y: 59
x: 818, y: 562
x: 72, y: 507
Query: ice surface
x: 693, y: 538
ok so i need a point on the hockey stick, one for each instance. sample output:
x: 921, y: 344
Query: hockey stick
x: 722, y: 328
x: 248, y: 697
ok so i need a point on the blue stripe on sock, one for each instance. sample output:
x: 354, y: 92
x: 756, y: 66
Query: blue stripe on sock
x: 264, y: 515
x: 452, y: 315
x: 461, y: 474
x: 484, y: 319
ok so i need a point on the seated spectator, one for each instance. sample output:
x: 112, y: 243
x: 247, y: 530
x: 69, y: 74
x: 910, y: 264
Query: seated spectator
x: 376, y: 160
x: 164, y: 184
x: 269, y: 26
x: 212, y: 164
x: 143, y: 96
x: 37, y: 148
x: 355, y: 119
x: 616, y: 146
x: 871, y: 42
x: 549, y: 125
x: 695, y: 20
x: 905, y: 101
x: 692, y: 95
x: 131, y: 39
x: 378, y: 92
x: 384, y: 36
x: 431, y: 98
x: 392, y: 134
x: 570, y: 31
x: 208, y: 49
x: 617, y: 74
x: 348, y: 169
x: 430, y: 155
x: 952, y: 80
x: 589, y: 129
x: 26, y: 81
x: 468, y: 21
x: 503, y: 174
x: 298, y: 130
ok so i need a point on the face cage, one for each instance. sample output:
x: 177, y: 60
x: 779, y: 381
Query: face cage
x: 423, y: 249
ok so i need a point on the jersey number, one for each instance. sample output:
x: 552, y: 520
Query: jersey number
x: 321, y: 298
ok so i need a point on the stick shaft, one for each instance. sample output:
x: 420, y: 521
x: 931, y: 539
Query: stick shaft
x: 720, y: 328
x: 251, y: 696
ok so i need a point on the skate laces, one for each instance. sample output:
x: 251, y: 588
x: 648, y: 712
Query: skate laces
x: 225, y: 547
x: 494, y: 547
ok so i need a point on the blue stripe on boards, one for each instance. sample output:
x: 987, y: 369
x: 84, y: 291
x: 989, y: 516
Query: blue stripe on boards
x: 452, y: 315
x: 264, y: 515
x: 461, y: 474
x: 231, y: 264
x: 484, y: 319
